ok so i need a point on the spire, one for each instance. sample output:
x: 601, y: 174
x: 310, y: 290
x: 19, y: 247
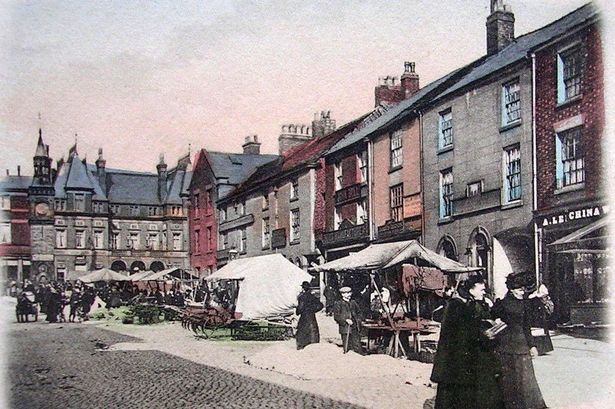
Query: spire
x: 41, y: 149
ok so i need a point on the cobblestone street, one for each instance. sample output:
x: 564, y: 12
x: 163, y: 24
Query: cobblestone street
x: 67, y: 366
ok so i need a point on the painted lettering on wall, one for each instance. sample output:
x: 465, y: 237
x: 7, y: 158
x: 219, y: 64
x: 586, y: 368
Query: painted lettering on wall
x: 572, y: 215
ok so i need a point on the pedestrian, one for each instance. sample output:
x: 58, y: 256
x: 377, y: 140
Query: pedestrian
x: 465, y: 368
x: 307, y: 327
x: 74, y: 303
x: 347, y: 314
x: 332, y: 293
x: 516, y: 348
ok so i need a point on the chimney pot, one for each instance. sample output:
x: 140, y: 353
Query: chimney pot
x: 18, y: 170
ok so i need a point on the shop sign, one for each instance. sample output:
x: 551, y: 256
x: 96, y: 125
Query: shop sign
x: 572, y: 215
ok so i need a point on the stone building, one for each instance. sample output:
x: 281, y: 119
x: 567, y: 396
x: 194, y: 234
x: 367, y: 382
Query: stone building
x: 571, y: 203
x: 478, y: 154
x: 215, y: 176
x: 85, y: 217
x: 14, y: 227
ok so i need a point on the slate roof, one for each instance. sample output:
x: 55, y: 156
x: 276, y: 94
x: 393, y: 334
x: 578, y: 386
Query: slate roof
x: 231, y: 169
x: 13, y: 183
x: 75, y: 175
x: 296, y: 157
x: 472, y: 73
x: 132, y: 187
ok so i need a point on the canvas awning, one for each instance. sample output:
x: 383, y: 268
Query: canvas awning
x: 104, y: 274
x: 385, y: 255
x: 579, y: 238
x: 269, y: 285
x: 160, y: 274
x: 141, y: 275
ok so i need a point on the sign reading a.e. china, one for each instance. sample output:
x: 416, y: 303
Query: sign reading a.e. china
x: 572, y: 215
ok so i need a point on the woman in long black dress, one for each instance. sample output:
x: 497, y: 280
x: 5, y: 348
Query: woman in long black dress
x: 465, y: 367
x: 516, y: 348
x: 307, y: 327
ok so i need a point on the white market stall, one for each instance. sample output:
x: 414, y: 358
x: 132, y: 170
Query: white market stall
x: 268, y: 285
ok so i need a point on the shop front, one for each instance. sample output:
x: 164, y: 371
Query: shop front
x: 575, y: 263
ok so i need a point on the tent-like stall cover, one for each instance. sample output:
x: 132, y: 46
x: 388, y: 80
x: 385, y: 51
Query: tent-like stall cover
x: 386, y: 255
x: 104, y: 274
x: 269, y: 285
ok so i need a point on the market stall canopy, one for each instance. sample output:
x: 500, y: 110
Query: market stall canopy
x: 104, y: 274
x: 141, y: 275
x: 269, y: 285
x: 387, y: 255
x: 160, y: 275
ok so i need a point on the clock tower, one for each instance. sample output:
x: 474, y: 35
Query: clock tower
x: 41, y: 197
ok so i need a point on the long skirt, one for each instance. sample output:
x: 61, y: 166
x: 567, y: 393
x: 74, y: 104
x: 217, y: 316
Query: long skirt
x: 520, y: 389
x: 455, y: 396
x: 307, y: 330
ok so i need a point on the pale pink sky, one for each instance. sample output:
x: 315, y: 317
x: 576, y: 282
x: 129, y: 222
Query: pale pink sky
x: 142, y: 78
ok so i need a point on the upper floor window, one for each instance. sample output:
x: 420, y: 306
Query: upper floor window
x: 294, y: 189
x: 266, y: 237
x: 61, y: 239
x: 338, y: 175
x: 445, y: 129
x: 223, y: 214
x: 362, y: 165
x: 79, y: 202
x: 570, y: 64
x: 134, y: 210
x: 176, y: 210
x: 5, y: 202
x: 208, y: 237
x: 196, y: 205
x: 60, y: 205
x: 295, y: 228
x: 512, y: 174
x: 177, y: 241
x: 570, y: 158
x: 446, y: 193
x: 511, y: 103
x: 362, y: 211
x: 98, y: 239
x: 337, y: 217
x: 265, y: 201
x: 80, y: 239
x: 152, y: 211
x: 396, y: 202
x: 5, y: 232
x: 223, y: 241
x: 240, y: 208
x: 115, y: 209
x: 474, y: 189
x: 397, y: 157
x: 133, y: 240
x: 115, y: 240
x: 152, y: 241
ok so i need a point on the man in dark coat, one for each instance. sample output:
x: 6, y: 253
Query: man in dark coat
x: 347, y: 314
x: 307, y: 327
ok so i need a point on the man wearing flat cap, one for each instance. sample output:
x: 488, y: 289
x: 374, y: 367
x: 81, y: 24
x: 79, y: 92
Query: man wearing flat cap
x: 307, y: 327
x: 347, y: 314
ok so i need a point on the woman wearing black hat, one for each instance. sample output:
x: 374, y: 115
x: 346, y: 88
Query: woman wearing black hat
x: 516, y: 347
x: 307, y: 327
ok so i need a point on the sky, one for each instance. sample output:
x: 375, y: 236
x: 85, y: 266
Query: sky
x: 141, y: 78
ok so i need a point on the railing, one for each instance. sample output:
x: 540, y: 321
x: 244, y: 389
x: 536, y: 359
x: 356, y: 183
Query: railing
x: 350, y: 193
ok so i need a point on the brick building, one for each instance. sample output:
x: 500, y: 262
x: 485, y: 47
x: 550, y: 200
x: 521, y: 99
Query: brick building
x: 14, y: 227
x: 571, y: 204
x: 85, y: 217
x: 215, y: 175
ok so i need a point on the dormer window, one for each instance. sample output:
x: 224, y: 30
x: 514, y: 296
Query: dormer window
x: 79, y: 202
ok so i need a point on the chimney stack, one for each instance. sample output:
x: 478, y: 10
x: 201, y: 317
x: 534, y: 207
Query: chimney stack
x: 500, y: 26
x: 252, y: 146
x: 162, y: 178
x: 322, y: 125
x: 293, y: 135
x: 409, y: 80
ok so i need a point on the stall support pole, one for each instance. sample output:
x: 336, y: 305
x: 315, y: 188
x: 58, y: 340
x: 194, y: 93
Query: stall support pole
x: 396, y: 331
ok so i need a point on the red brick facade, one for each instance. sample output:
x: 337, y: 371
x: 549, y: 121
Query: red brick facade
x: 548, y: 113
x: 202, y: 217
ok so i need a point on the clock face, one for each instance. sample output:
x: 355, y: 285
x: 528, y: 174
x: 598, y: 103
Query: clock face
x: 41, y: 209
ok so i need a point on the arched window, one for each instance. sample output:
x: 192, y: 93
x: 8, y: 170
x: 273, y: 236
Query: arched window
x: 137, y: 266
x: 156, y: 266
x: 448, y: 248
x: 480, y: 252
x: 118, y: 266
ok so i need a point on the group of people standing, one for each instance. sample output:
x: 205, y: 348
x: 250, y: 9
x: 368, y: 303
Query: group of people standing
x: 477, y: 367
